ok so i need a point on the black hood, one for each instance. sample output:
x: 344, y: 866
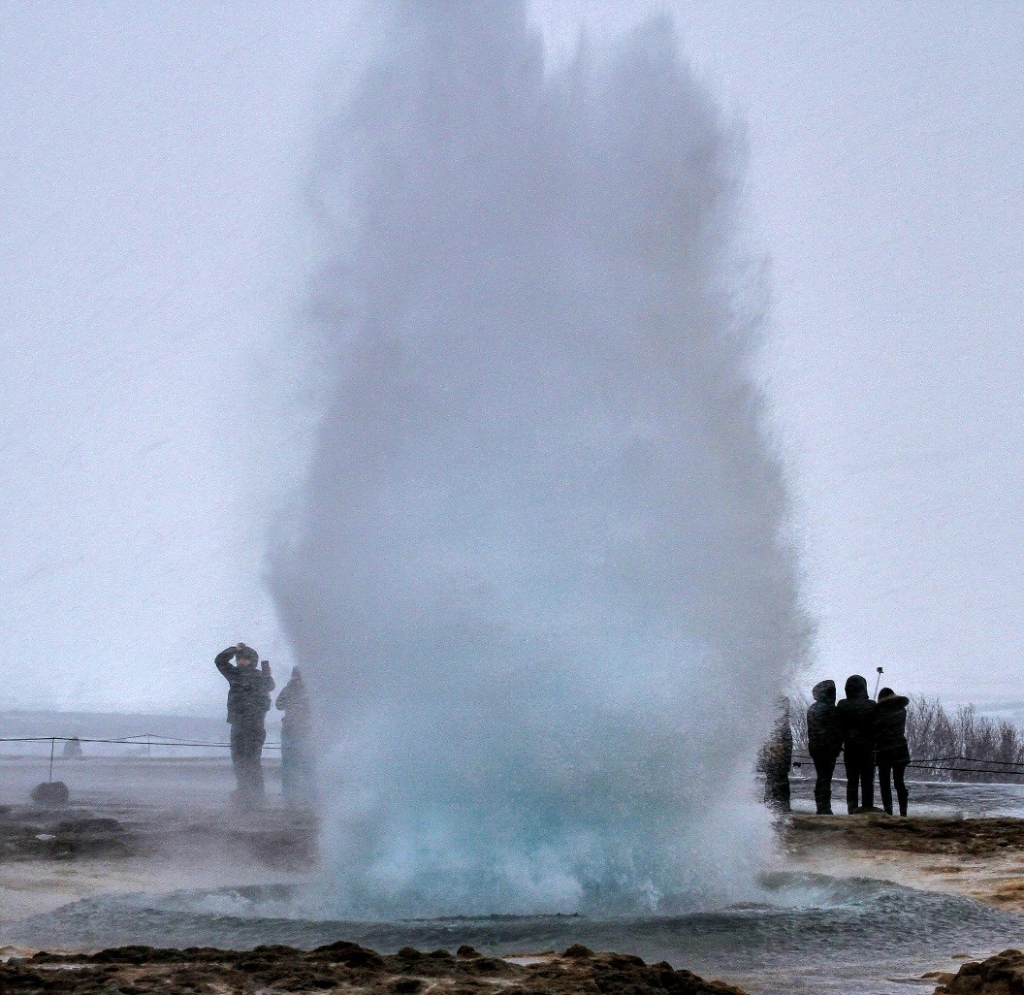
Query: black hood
x: 893, y: 701
x: 856, y: 687
x: 825, y: 691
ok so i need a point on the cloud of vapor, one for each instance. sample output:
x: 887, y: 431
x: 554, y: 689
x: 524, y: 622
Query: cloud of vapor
x: 538, y: 575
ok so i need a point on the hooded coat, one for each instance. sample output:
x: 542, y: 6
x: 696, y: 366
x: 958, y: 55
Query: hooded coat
x: 857, y: 716
x: 248, y: 689
x: 891, y: 727
x: 824, y: 734
x: 294, y: 702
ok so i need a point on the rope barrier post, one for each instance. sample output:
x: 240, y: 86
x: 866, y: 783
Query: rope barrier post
x: 53, y: 744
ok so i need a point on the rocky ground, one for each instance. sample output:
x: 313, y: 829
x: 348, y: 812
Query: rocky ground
x: 344, y: 967
x: 1002, y: 974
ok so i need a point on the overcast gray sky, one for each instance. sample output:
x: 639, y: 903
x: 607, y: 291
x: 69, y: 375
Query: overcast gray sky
x: 155, y: 250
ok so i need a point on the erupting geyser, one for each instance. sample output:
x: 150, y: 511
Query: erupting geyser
x: 538, y: 579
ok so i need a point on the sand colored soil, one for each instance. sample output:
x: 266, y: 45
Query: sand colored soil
x: 344, y: 967
x: 979, y: 858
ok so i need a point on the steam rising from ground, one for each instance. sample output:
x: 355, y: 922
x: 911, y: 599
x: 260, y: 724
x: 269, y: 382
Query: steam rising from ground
x: 538, y: 581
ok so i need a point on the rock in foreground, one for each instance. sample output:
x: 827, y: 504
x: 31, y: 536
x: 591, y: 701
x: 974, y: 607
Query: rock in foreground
x: 1002, y: 974
x: 344, y: 967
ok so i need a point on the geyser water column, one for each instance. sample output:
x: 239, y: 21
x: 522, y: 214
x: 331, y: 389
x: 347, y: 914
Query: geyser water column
x: 538, y: 579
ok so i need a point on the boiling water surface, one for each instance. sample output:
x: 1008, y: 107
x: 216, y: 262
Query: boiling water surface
x: 809, y: 933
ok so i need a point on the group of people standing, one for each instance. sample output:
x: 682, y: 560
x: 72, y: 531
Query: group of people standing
x: 249, y: 685
x: 869, y: 734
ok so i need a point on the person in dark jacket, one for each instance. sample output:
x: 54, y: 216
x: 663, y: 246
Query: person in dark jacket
x: 824, y: 741
x: 296, y: 751
x: 891, y: 751
x: 249, y: 687
x: 857, y: 724
x: 776, y: 759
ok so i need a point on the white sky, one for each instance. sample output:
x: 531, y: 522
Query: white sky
x: 153, y: 255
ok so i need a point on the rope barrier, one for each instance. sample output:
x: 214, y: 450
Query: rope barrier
x: 973, y: 760
x: 139, y: 739
x: 924, y: 765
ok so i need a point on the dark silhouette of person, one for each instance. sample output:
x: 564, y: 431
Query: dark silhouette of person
x: 857, y: 723
x: 249, y: 687
x: 73, y: 748
x: 296, y: 749
x: 824, y: 741
x: 776, y: 759
x: 892, y: 753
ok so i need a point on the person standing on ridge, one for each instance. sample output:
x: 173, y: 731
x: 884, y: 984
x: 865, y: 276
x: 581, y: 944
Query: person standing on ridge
x: 250, y: 684
x: 857, y: 723
x: 296, y: 754
x: 892, y: 751
x: 824, y: 741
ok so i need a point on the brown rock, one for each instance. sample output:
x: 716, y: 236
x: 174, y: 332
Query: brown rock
x: 279, y: 970
x: 1002, y: 974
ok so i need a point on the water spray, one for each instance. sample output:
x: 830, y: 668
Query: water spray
x: 540, y: 546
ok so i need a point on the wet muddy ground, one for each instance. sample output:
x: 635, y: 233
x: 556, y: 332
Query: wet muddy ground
x: 274, y: 838
x: 108, y: 844
x: 50, y: 857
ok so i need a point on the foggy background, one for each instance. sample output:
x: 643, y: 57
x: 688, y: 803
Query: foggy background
x: 156, y: 252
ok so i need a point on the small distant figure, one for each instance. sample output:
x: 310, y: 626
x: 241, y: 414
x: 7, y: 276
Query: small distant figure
x: 776, y: 760
x: 857, y: 723
x: 250, y: 684
x: 72, y: 749
x: 824, y: 741
x: 296, y: 749
x: 891, y: 750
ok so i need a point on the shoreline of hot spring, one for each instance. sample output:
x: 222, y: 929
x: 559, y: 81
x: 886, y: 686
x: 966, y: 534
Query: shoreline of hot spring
x: 51, y: 859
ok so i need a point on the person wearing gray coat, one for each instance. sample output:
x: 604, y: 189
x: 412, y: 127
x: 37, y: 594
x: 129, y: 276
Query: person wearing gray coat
x: 296, y: 747
x: 249, y: 687
x: 775, y: 760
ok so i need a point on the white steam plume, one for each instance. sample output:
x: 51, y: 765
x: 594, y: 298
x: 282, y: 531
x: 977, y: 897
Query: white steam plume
x: 538, y: 581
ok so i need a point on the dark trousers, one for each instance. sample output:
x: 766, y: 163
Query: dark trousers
x: 824, y: 768
x: 247, y: 740
x: 886, y: 764
x: 860, y: 778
